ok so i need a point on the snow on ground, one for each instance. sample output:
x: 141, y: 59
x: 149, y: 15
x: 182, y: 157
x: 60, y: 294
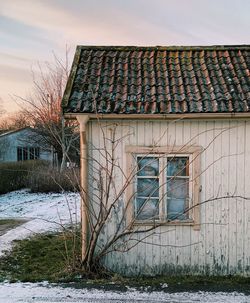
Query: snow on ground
x: 45, y: 212
x: 43, y: 292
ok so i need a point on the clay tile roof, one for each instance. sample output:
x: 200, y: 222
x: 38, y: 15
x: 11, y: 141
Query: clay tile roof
x: 159, y: 80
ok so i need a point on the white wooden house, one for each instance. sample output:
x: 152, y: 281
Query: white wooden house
x: 20, y: 145
x: 181, y: 117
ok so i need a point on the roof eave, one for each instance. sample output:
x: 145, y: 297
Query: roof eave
x: 193, y: 116
x: 68, y: 89
x: 11, y: 132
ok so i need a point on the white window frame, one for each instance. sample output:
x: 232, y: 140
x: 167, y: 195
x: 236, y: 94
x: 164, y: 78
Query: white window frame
x: 164, y: 152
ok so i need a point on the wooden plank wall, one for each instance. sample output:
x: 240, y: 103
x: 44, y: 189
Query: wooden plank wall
x: 222, y: 245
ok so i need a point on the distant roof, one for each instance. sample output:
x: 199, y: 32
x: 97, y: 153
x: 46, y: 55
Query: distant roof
x: 10, y: 132
x: 159, y: 80
x: 3, y: 131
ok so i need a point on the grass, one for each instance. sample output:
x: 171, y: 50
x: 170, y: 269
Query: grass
x: 40, y: 258
x: 11, y: 222
x: 7, y: 224
x: 43, y: 257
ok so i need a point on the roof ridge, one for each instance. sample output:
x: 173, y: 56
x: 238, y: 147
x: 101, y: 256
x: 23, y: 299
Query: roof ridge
x: 159, y: 47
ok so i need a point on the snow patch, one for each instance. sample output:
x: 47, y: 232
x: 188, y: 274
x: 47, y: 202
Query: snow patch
x: 44, y: 292
x: 46, y: 212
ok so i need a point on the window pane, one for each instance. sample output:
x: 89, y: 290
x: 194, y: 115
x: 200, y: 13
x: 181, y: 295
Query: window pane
x: 147, y: 209
x: 176, y: 209
x: 177, y: 188
x: 32, y: 153
x: 178, y: 166
x: 148, y: 166
x: 148, y: 187
x: 25, y: 153
x: 37, y: 152
x: 19, y: 154
x: 177, y: 198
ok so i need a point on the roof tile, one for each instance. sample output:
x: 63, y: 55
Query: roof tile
x: 162, y: 80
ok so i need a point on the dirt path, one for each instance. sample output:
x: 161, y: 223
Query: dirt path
x: 8, y: 224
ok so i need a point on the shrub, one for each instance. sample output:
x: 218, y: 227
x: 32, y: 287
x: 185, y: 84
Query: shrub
x: 37, y: 175
x: 15, y: 175
x: 49, y: 179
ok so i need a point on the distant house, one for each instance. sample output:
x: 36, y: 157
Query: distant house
x: 180, y: 120
x: 18, y: 145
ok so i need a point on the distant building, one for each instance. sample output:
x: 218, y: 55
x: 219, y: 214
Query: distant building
x: 18, y: 145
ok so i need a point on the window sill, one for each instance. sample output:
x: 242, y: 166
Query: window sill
x: 187, y: 222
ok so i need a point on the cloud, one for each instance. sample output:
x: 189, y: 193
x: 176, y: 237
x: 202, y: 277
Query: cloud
x: 8, y: 72
x: 133, y: 22
x: 93, y: 22
x: 16, y: 58
x: 20, y: 30
x: 14, y: 81
x: 161, y: 22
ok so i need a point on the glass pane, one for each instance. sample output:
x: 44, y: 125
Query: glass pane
x: 176, y: 209
x: 32, y: 153
x: 177, y: 188
x: 148, y: 166
x: 37, y: 152
x: 148, y: 187
x: 178, y: 166
x: 147, y: 209
x: 19, y: 154
x: 25, y: 153
x: 177, y: 201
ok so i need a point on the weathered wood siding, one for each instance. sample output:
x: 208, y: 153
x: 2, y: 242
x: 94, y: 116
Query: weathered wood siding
x: 222, y: 245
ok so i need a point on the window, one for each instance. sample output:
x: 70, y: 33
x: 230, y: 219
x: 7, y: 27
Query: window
x: 166, y: 184
x: 19, y: 154
x: 28, y: 153
x: 25, y: 153
x: 177, y: 187
x: 147, y: 193
x: 32, y: 153
x: 37, y: 153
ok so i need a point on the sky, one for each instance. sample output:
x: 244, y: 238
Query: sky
x: 31, y: 31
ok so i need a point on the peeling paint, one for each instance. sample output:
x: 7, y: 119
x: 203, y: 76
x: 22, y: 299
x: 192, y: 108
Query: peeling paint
x: 221, y: 246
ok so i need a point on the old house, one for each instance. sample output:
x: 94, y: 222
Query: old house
x: 175, y: 121
x: 21, y: 145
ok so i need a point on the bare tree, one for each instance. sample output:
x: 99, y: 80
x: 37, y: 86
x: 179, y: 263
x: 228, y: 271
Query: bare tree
x: 14, y: 121
x: 2, y: 110
x: 43, y: 109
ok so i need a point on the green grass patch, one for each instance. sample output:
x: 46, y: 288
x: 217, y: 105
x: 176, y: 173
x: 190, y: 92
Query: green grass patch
x: 8, y: 221
x: 51, y: 257
x: 7, y: 224
x: 56, y: 258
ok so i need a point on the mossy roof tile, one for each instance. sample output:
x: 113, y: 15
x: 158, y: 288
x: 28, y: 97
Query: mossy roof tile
x: 153, y: 80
